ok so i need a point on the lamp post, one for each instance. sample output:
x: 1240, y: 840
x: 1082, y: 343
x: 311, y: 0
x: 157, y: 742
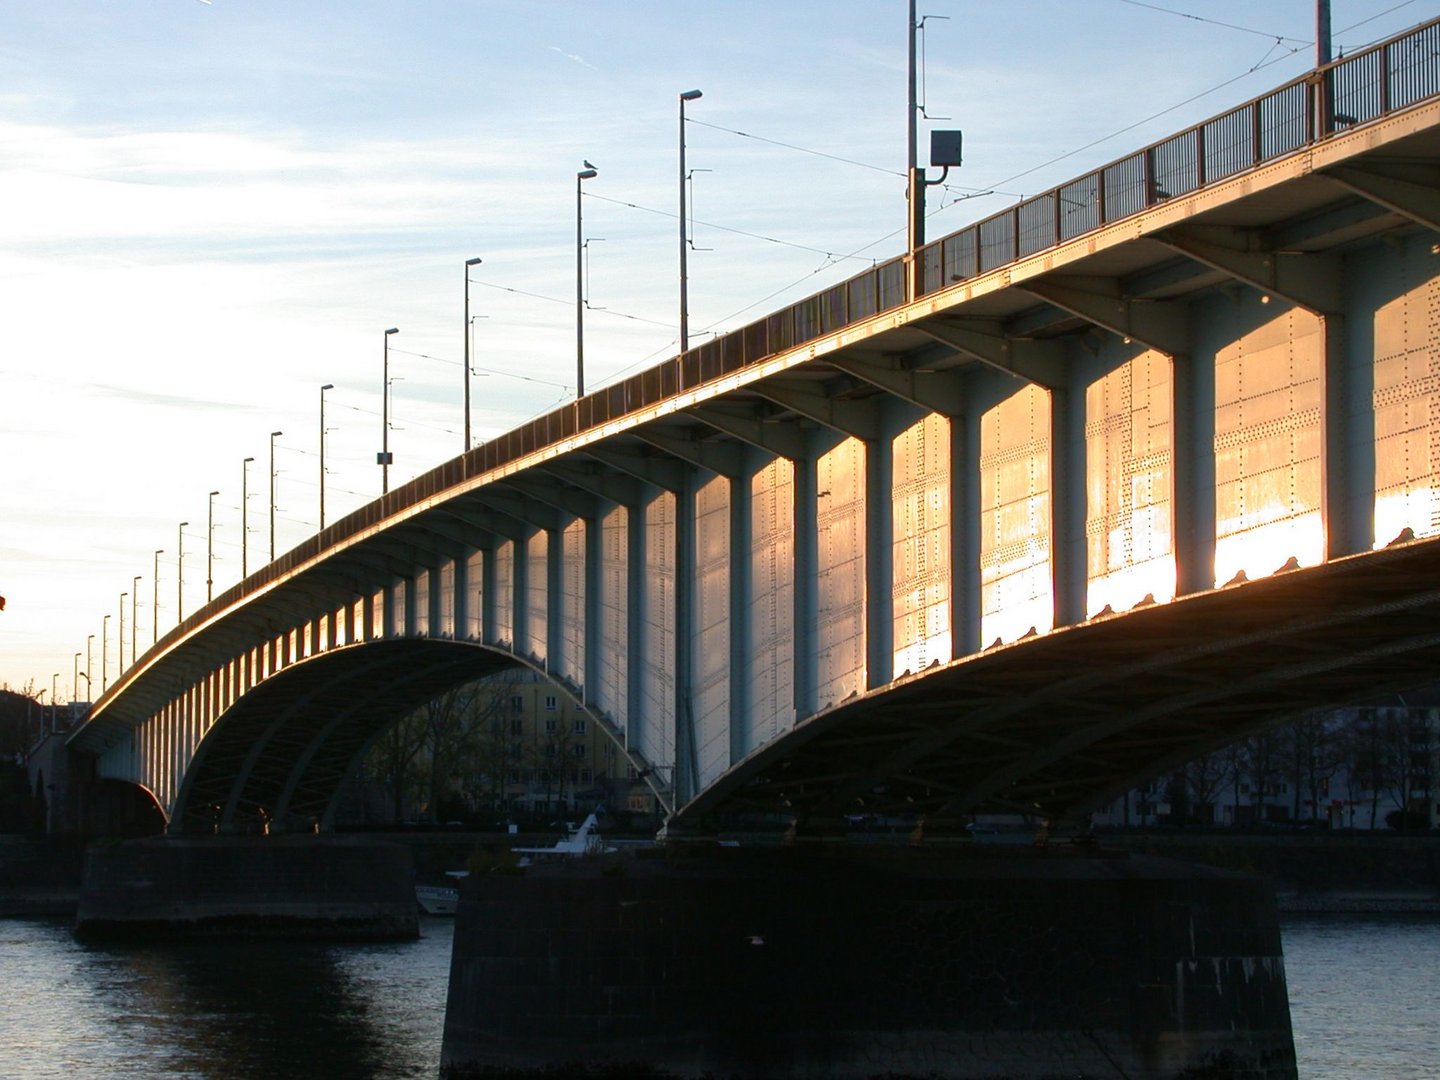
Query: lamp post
x: 273, y: 436
x: 54, y: 714
x: 89, y: 652
x: 88, y: 691
x: 468, y: 263
x: 75, y: 679
x: 587, y: 173
x: 688, y: 95
x: 327, y: 386
x: 104, y: 653
x: 120, y: 640
x: 915, y: 182
x: 180, y: 573
x: 245, y: 517
x: 134, y: 622
x: 154, y: 600
x: 383, y: 458
x: 210, y: 550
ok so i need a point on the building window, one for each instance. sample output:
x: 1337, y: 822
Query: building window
x: 551, y: 704
x: 550, y: 750
x: 517, y: 703
x: 551, y: 726
x: 579, y: 751
x: 517, y: 727
x: 580, y: 727
x: 586, y: 776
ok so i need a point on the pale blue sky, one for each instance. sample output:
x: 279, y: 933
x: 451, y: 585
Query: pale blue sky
x: 210, y: 209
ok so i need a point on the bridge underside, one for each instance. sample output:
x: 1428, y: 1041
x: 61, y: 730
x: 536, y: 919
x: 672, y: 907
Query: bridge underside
x: 284, y: 750
x: 1057, y: 725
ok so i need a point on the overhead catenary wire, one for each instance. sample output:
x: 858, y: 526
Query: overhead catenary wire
x: 1215, y: 22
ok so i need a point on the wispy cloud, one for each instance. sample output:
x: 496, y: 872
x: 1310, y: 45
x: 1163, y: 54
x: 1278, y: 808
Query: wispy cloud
x: 571, y: 56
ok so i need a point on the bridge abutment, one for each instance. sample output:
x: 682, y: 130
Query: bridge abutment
x: 983, y: 962
x: 303, y: 886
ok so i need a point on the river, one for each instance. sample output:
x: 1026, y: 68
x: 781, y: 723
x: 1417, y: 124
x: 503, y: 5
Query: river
x: 1362, y: 992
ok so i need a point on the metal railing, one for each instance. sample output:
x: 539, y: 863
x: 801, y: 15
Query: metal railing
x: 1386, y: 78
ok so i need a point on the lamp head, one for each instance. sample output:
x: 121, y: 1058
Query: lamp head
x: 328, y: 386
x: 214, y: 493
x: 392, y: 330
x: 690, y: 95
x: 274, y: 433
x: 586, y: 174
x: 473, y: 262
x: 247, y: 461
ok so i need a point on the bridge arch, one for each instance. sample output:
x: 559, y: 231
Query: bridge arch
x: 282, y: 753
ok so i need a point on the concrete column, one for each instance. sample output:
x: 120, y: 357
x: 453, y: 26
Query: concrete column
x: 594, y: 557
x: 1192, y: 493
x: 879, y: 560
x: 807, y: 568
x: 554, y: 587
x: 687, y: 767
x: 1068, y: 569
x: 520, y: 592
x: 965, y: 534
x: 742, y: 578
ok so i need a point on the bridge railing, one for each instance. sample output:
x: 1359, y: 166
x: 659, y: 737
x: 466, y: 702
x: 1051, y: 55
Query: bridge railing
x: 1367, y: 86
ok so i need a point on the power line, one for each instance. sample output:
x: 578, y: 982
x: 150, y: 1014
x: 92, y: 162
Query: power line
x: 567, y: 303
x: 1216, y: 22
x: 800, y: 149
x: 722, y: 228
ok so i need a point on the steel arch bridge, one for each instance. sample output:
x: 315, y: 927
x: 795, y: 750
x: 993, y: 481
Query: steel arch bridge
x: 1113, y: 477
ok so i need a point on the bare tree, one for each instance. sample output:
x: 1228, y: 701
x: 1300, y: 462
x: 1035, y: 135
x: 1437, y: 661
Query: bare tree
x: 1205, y: 777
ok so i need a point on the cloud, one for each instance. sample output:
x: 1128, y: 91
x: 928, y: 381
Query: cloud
x: 571, y: 56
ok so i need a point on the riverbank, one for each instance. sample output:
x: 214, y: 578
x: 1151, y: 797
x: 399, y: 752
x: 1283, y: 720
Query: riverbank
x: 1314, y: 872
x: 39, y: 877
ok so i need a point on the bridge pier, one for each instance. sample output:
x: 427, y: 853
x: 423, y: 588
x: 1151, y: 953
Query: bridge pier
x: 344, y: 888
x: 979, y: 962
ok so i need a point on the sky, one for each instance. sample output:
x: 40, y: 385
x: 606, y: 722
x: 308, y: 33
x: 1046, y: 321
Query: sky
x: 211, y: 208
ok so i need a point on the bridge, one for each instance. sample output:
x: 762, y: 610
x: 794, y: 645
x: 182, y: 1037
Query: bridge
x: 1113, y: 477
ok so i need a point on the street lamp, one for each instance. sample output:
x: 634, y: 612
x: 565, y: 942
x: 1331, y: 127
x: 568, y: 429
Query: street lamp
x: 384, y: 458
x: 75, y: 680
x: 89, y: 652
x: 327, y: 386
x: 154, y: 601
x: 180, y: 573
x: 134, y: 623
x: 104, y: 653
x: 245, y: 517
x: 468, y: 263
x: 587, y: 173
x: 688, y: 95
x: 210, y: 550
x: 273, y: 436
x: 120, y: 639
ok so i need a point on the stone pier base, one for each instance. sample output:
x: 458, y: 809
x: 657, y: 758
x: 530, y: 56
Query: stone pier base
x: 301, y: 886
x: 985, y: 963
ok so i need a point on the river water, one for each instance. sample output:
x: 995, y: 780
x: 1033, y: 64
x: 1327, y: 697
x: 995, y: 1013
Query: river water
x: 1362, y: 992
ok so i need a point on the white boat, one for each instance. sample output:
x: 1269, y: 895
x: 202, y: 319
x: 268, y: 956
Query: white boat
x: 440, y: 899
x: 582, y: 841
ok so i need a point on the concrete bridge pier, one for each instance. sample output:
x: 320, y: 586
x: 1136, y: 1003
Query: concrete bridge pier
x: 812, y: 962
x: 345, y: 888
